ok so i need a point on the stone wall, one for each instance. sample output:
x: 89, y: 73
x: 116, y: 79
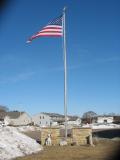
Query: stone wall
x: 55, y: 135
x: 79, y: 136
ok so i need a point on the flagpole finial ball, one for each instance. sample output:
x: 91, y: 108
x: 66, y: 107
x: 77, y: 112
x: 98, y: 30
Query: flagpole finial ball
x: 64, y: 9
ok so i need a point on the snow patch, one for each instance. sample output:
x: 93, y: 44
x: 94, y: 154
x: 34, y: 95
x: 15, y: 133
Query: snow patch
x: 15, y: 144
x: 28, y: 128
x: 102, y: 126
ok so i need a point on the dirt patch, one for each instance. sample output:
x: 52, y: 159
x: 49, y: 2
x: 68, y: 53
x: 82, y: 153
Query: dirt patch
x: 103, y: 150
x: 33, y: 134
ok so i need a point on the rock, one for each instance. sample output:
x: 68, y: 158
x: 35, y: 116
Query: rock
x: 73, y: 144
x: 63, y: 143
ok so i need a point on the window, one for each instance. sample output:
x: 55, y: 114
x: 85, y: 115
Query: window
x: 40, y: 122
x: 46, y: 122
x: 43, y: 117
x: 105, y: 120
x: 40, y: 117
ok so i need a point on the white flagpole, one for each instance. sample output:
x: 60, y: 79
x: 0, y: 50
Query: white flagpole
x: 65, y: 72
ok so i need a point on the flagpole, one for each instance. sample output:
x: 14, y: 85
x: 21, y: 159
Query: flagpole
x: 65, y: 72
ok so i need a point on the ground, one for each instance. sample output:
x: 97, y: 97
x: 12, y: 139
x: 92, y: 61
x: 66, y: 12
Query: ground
x: 104, y: 150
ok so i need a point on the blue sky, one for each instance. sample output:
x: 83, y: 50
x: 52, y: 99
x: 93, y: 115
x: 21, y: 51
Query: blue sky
x: 32, y: 75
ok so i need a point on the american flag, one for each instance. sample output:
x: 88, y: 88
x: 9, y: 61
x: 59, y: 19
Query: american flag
x: 54, y: 28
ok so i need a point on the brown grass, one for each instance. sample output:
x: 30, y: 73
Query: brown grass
x: 103, y: 150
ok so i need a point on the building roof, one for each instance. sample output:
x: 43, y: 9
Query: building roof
x: 14, y: 114
x: 73, y: 118
x: 53, y: 114
x: 104, y: 116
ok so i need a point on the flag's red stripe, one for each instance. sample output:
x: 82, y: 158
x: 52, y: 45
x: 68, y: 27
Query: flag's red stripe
x: 46, y: 29
x: 52, y: 28
x: 44, y: 36
x: 50, y: 32
x: 49, y: 35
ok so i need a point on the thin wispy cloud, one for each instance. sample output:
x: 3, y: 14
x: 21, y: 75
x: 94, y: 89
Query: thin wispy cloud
x: 22, y: 76
x: 7, y: 58
x: 59, y: 69
x: 73, y: 67
x: 28, y: 75
x: 109, y: 59
x: 12, y: 59
x: 17, y: 77
x: 81, y: 50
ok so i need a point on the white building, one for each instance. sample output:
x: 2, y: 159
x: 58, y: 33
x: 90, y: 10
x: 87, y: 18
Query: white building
x: 105, y: 119
x: 74, y: 120
x: 41, y: 119
x: 16, y: 118
x: 44, y: 119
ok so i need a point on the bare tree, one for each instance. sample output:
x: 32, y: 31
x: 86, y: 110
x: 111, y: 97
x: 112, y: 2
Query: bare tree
x: 112, y: 114
x: 3, y: 112
x: 88, y: 116
x: 3, y: 108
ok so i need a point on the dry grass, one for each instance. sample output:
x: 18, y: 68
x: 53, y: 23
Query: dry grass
x: 103, y: 150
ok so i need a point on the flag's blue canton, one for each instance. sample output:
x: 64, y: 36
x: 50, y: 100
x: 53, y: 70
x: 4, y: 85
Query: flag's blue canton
x: 56, y: 21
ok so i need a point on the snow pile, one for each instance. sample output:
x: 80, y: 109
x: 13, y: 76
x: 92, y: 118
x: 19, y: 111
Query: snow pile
x: 105, y: 126
x: 28, y: 128
x: 102, y: 126
x: 14, y: 144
